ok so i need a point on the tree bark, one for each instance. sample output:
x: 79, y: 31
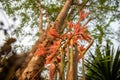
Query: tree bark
x: 34, y: 64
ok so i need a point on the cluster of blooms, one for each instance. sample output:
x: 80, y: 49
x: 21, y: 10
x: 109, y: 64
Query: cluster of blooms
x: 75, y: 32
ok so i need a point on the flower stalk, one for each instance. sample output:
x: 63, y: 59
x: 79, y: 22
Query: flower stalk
x: 62, y: 65
x: 71, y: 61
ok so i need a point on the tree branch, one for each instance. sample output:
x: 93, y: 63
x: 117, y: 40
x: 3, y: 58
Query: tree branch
x: 62, y: 15
x: 37, y: 62
x: 38, y: 5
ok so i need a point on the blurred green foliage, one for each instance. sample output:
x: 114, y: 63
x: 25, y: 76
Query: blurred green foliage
x: 102, y: 13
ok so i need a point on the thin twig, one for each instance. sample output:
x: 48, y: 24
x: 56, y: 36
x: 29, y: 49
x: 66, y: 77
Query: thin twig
x: 48, y: 20
x: 62, y: 65
x: 91, y: 42
x: 38, y: 5
x: 68, y: 62
x: 87, y: 22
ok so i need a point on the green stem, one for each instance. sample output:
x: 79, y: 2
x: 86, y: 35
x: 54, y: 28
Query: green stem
x: 71, y: 58
x: 83, y: 70
x: 68, y: 62
x: 75, y: 64
x: 83, y: 53
x: 62, y: 65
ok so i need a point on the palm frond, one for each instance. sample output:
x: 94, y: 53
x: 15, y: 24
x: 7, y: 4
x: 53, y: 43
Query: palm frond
x: 104, y: 65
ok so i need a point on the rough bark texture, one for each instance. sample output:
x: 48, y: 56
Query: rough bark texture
x: 62, y: 15
x: 34, y: 64
x: 28, y: 58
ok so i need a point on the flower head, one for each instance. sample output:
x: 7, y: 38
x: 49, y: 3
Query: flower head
x: 41, y: 50
x: 53, y: 33
x: 83, y: 15
x: 70, y: 24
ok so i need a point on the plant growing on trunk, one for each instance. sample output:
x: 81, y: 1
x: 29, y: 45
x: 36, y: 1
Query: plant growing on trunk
x: 66, y: 49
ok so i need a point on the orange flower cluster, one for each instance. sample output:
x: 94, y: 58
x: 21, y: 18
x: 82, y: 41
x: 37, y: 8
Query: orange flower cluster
x: 53, y: 50
x: 76, y: 32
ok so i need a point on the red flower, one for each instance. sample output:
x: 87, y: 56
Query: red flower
x: 53, y: 33
x: 55, y: 46
x: 70, y: 24
x: 53, y: 49
x: 41, y: 50
x: 78, y: 29
x: 69, y: 35
x: 83, y: 15
x: 50, y: 57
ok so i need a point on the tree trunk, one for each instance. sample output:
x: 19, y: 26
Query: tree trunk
x: 34, y: 64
